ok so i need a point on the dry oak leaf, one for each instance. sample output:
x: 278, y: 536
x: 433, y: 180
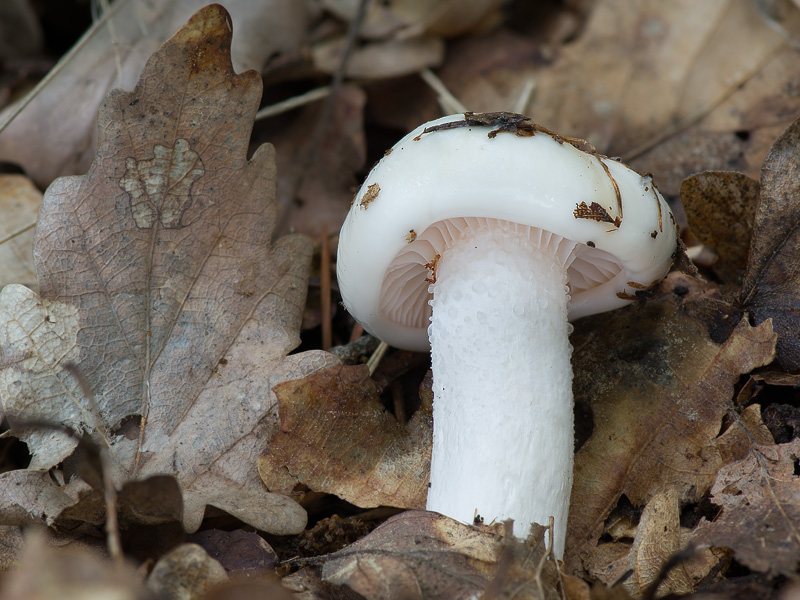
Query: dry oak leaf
x: 760, y: 501
x: 658, y: 388
x: 336, y: 437
x: 416, y: 555
x: 159, y: 280
x: 772, y: 278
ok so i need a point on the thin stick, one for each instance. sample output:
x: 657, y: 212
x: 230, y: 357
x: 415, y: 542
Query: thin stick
x: 399, y: 401
x: 109, y: 491
x: 19, y: 231
x: 112, y: 33
x: 294, y: 102
x: 325, y: 290
x: 376, y: 357
x: 447, y: 101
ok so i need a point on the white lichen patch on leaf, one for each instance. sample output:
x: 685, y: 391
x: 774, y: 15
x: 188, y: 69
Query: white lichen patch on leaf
x: 160, y: 188
x: 160, y: 282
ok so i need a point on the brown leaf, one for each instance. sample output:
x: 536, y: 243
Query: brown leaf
x: 19, y: 204
x: 596, y: 91
x: 658, y: 388
x: 760, y: 501
x: 55, y: 135
x: 159, y: 280
x: 336, y: 437
x: 720, y: 208
x: 426, y: 555
x: 772, y: 278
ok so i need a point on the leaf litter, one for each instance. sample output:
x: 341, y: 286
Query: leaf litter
x: 690, y: 455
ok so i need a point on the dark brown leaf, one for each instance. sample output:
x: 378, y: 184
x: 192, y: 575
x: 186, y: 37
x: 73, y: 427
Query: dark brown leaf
x: 720, y: 207
x: 771, y: 286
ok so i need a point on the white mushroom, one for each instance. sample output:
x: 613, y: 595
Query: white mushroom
x: 484, y: 232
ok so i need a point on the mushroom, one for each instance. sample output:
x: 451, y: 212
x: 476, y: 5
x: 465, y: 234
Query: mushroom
x: 479, y: 236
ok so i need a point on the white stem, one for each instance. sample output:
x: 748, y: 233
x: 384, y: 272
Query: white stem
x: 502, y: 412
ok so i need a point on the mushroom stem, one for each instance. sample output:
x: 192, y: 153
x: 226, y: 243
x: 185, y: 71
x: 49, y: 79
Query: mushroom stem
x: 503, y: 424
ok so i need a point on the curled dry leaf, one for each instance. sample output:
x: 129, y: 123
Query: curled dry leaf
x: 55, y: 134
x: 720, y: 208
x: 760, y: 500
x: 336, y: 437
x: 160, y: 281
x: 19, y: 204
x: 658, y: 388
x: 657, y: 540
x: 772, y: 278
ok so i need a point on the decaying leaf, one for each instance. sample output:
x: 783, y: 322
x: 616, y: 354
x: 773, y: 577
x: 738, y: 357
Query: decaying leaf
x: 772, y: 279
x: 426, y: 555
x: 760, y: 501
x: 336, y: 437
x: 160, y: 281
x: 658, y: 388
x: 720, y: 207
x: 19, y: 204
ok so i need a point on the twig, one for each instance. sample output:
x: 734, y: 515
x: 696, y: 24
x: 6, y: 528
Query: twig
x: 19, y: 231
x: 294, y: 102
x: 109, y: 491
x: 325, y: 290
x: 376, y: 357
x: 447, y: 100
x: 399, y: 401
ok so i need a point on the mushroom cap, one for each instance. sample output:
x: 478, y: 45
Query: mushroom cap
x: 497, y: 166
